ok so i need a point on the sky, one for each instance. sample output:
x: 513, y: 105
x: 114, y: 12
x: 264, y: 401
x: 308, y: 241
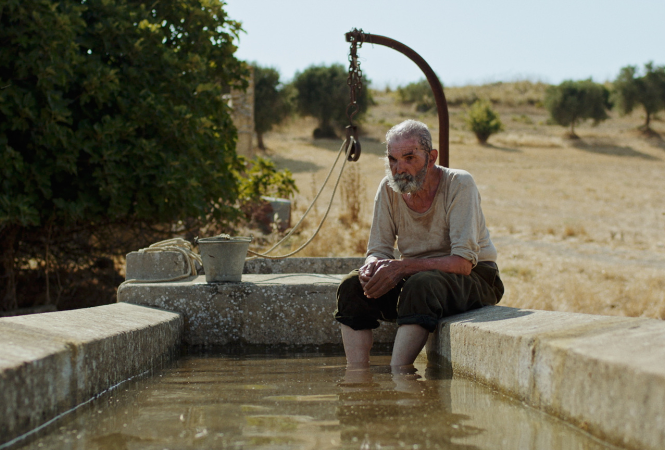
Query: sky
x: 464, y: 41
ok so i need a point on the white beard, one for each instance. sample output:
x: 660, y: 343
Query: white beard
x: 405, y: 183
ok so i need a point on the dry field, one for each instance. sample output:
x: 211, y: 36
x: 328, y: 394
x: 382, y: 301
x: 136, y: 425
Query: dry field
x: 579, y: 225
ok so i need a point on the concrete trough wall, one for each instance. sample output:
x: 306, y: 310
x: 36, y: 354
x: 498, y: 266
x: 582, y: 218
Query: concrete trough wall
x: 604, y: 374
x: 287, y: 309
x: 304, y: 265
x: 52, y: 362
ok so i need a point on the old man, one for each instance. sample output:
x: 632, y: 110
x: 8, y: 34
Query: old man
x: 448, y: 262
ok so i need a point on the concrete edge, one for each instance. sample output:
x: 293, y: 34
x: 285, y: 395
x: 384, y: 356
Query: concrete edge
x: 603, y: 374
x: 53, y: 362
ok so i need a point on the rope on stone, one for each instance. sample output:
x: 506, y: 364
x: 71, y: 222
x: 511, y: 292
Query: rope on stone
x: 343, y: 149
x: 173, y: 245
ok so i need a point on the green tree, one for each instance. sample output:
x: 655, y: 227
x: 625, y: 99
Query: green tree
x: 112, y: 122
x: 419, y: 93
x: 483, y: 120
x: 574, y: 101
x: 271, y: 101
x: 324, y: 94
x: 648, y: 90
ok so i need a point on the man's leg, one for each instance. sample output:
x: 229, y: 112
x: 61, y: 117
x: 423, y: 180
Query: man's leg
x: 357, y: 344
x: 409, y: 341
x: 358, y: 315
x: 429, y: 296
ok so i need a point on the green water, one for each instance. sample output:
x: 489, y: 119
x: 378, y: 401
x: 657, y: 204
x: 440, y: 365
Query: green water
x: 304, y: 401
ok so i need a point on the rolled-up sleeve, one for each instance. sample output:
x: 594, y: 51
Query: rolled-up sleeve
x: 465, y: 217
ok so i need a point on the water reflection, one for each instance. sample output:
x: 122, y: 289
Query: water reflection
x: 403, y: 410
x: 305, y: 401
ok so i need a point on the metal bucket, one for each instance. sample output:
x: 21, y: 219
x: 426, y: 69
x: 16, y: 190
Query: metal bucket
x: 223, y: 257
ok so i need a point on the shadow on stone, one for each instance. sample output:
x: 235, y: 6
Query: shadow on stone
x: 604, y: 148
x: 503, y: 149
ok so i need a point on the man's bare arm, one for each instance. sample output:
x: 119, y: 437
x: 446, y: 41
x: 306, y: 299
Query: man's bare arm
x: 386, y: 273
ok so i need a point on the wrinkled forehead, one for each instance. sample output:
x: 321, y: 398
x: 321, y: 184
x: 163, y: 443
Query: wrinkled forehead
x: 404, y: 147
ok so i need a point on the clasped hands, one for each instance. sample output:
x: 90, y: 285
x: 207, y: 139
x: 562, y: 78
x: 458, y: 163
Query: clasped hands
x: 378, y: 276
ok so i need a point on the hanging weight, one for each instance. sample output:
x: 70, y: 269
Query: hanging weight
x: 353, y: 145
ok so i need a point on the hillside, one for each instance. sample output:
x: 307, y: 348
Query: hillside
x: 579, y: 225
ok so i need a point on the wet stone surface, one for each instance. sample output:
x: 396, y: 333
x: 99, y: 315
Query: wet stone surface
x: 304, y: 401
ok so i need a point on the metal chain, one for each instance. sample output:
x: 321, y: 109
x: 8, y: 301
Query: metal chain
x: 355, y: 79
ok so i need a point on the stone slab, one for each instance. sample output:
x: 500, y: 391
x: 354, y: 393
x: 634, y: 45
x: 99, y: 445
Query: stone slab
x: 304, y: 265
x: 604, y: 374
x: 52, y: 362
x: 155, y: 265
x: 288, y: 309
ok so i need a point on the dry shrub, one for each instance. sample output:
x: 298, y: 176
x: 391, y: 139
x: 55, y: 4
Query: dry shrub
x: 572, y: 231
x: 352, y: 191
x: 564, y: 285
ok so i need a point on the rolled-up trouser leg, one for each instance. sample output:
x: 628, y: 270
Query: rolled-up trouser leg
x: 362, y: 313
x: 427, y: 297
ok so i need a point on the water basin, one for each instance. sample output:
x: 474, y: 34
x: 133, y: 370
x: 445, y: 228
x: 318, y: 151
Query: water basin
x: 305, y: 401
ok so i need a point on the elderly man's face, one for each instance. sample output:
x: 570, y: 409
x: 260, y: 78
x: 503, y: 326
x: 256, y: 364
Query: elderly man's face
x: 406, y: 166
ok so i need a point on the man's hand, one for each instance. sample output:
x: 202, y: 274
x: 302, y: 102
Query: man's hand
x: 379, y: 276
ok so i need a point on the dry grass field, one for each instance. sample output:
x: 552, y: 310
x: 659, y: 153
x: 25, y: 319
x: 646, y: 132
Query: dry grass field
x: 579, y: 224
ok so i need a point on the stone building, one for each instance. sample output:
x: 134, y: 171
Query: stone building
x: 242, y: 104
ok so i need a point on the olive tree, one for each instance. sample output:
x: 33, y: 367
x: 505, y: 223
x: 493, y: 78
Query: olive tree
x: 272, y: 103
x: 571, y: 102
x: 112, y: 123
x: 630, y: 90
x: 324, y: 94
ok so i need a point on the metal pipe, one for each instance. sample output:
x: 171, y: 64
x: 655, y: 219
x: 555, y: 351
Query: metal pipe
x: 435, y: 84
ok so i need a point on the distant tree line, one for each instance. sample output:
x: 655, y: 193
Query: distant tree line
x: 319, y: 91
x: 572, y: 102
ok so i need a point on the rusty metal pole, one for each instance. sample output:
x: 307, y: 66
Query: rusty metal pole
x: 435, y: 84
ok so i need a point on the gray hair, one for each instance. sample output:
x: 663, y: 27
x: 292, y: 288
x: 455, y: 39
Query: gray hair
x: 410, y: 129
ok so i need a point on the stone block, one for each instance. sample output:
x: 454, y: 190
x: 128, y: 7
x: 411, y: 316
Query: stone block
x: 304, y: 265
x: 289, y: 309
x: 604, y: 374
x: 53, y: 362
x: 155, y: 265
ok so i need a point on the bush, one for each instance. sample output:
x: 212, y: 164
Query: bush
x: 324, y: 94
x: 574, y: 101
x: 648, y: 90
x: 418, y: 93
x: 483, y: 121
x: 272, y: 102
x: 113, y: 132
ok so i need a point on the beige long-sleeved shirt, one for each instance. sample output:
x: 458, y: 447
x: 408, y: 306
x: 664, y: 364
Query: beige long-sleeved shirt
x: 453, y: 225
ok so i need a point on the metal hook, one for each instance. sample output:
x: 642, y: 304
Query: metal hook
x: 353, y: 145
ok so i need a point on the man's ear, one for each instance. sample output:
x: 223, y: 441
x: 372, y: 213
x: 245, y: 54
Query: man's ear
x: 433, y: 155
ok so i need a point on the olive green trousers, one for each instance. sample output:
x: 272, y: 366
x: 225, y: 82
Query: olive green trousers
x: 422, y: 299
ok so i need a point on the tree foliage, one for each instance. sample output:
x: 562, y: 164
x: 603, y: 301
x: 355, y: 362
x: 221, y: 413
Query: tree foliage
x: 324, y: 94
x: 648, y: 90
x: 418, y: 93
x: 483, y: 120
x: 272, y: 102
x: 571, y: 102
x: 111, y: 122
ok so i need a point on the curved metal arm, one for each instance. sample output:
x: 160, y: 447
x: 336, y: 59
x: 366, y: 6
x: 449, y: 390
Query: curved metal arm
x: 435, y: 84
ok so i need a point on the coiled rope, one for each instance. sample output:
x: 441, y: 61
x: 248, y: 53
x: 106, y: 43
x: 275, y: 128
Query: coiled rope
x: 177, y: 245
x: 339, y: 177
